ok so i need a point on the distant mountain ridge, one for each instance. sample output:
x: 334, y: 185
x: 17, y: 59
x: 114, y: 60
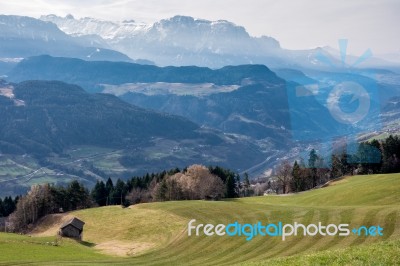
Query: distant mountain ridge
x: 181, y: 30
x: 92, y: 26
x: 177, y: 41
x: 90, y: 75
x: 22, y: 37
x: 257, y: 108
x: 184, y: 40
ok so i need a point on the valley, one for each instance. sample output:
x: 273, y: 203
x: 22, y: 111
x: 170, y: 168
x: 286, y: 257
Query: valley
x: 246, y: 118
x: 70, y: 141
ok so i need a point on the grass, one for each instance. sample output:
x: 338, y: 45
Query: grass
x: 18, y: 249
x: 362, y: 190
x: 382, y: 253
x: 155, y: 234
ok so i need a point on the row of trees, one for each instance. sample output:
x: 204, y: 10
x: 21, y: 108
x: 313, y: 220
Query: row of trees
x: 370, y: 158
x: 199, y: 182
x: 194, y: 182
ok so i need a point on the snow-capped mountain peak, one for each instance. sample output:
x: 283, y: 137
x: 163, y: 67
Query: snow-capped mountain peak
x: 184, y: 40
x: 91, y: 26
x: 179, y: 40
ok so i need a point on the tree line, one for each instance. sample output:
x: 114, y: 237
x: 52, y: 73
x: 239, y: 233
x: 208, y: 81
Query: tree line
x: 200, y: 182
x: 371, y: 157
x: 194, y: 182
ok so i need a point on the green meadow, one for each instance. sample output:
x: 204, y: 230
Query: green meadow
x: 156, y: 233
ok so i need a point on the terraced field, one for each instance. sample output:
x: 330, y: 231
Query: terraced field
x: 156, y: 233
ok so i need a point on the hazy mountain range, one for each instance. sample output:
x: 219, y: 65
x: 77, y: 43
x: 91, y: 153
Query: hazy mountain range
x: 179, y: 40
x: 86, y: 98
x: 183, y: 40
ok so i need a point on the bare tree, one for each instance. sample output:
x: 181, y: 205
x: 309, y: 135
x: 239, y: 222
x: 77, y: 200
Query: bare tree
x: 31, y: 207
x: 195, y: 183
x: 186, y: 186
x: 203, y: 183
x: 139, y: 195
x: 284, y: 175
x: 260, y: 188
x: 211, y: 187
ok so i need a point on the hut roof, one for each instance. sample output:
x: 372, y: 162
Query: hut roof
x: 75, y: 222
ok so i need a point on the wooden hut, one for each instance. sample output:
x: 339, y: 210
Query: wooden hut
x: 73, y: 228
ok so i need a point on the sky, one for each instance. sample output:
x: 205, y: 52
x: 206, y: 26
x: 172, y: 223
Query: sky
x: 296, y: 24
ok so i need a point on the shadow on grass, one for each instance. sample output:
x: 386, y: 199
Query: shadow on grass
x: 87, y: 244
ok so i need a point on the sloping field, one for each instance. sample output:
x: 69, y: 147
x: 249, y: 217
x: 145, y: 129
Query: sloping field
x: 156, y: 233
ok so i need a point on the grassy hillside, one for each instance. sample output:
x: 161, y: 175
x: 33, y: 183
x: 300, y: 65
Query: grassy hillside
x: 155, y: 234
x: 382, y: 253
